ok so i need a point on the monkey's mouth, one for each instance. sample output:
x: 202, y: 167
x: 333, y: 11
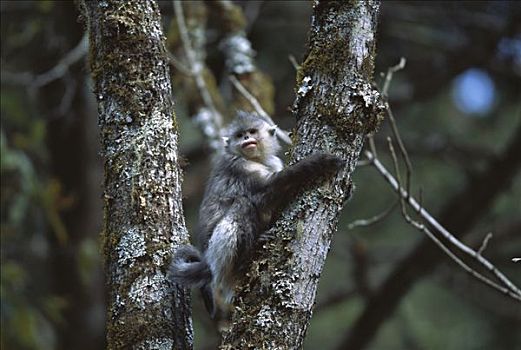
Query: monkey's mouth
x: 249, y: 144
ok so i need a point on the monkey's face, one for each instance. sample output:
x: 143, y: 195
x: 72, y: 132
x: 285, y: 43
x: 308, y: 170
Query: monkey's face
x: 249, y: 143
x: 254, y: 142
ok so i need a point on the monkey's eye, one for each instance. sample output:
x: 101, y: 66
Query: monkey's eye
x: 238, y: 135
x: 252, y: 131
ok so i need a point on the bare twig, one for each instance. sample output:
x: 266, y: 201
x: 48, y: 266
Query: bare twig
x: 392, y: 121
x: 214, y: 121
x: 389, y: 75
x: 17, y: 78
x: 251, y: 99
x: 372, y: 146
x: 493, y: 304
x: 283, y: 135
x: 58, y: 71
x: 68, y: 95
x: 485, y: 243
x: 293, y: 61
x: 507, y: 286
x: 399, y: 179
x: 372, y: 220
x: 403, y: 151
x: 34, y: 81
x: 420, y: 198
x: 178, y: 64
x: 362, y: 162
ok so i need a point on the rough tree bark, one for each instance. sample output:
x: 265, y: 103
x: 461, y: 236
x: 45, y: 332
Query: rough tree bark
x: 142, y: 198
x: 336, y: 107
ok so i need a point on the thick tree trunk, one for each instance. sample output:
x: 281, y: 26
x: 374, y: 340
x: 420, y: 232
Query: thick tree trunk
x: 143, y: 212
x: 336, y: 107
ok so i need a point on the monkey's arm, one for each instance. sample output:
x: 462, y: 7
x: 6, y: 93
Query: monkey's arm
x: 284, y: 185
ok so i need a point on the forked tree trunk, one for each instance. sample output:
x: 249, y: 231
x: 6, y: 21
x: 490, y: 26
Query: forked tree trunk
x: 336, y: 107
x: 142, y: 198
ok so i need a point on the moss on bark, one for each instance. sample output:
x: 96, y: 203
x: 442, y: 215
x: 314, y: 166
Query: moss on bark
x: 336, y: 107
x: 143, y: 218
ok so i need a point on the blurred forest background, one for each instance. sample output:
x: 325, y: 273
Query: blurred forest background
x: 457, y: 105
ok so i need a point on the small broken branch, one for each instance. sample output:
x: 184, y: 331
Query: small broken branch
x: 373, y: 220
x: 485, y: 243
x: 294, y: 63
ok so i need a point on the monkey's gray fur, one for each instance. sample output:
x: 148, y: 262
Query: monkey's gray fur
x: 247, y: 188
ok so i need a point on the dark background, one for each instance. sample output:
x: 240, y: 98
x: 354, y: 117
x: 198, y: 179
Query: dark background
x: 457, y: 105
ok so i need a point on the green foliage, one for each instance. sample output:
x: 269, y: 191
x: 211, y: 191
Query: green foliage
x: 330, y: 323
x: 88, y: 260
x: 45, y: 6
x: 28, y: 201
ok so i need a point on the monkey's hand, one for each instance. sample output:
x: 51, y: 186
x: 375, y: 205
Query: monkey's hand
x: 291, y: 180
x: 306, y: 170
x: 285, y: 185
x: 326, y: 163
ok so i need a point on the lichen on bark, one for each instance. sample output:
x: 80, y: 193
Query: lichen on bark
x: 240, y: 58
x: 142, y: 190
x: 336, y: 106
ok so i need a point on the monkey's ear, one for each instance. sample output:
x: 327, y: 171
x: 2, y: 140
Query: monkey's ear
x: 226, y: 140
x: 272, y: 130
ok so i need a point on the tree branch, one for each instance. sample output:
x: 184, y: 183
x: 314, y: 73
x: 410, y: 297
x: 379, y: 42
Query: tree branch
x: 508, y: 287
x: 458, y: 216
x: 209, y: 119
x: 35, y: 81
x: 240, y: 57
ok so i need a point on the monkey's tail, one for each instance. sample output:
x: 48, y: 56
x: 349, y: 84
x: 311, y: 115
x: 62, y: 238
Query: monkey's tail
x: 189, y: 267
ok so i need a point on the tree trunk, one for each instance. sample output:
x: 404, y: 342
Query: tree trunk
x: 336, y: 107
x: 142, y: 198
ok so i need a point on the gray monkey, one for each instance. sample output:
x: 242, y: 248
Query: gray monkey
x: 247, y: 188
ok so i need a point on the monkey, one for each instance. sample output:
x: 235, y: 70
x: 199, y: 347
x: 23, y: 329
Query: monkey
x: 247, y: 188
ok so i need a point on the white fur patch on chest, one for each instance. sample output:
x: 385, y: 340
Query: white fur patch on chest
x: 275, y: 163
x: 264, y: 170
x: 258, y: 169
